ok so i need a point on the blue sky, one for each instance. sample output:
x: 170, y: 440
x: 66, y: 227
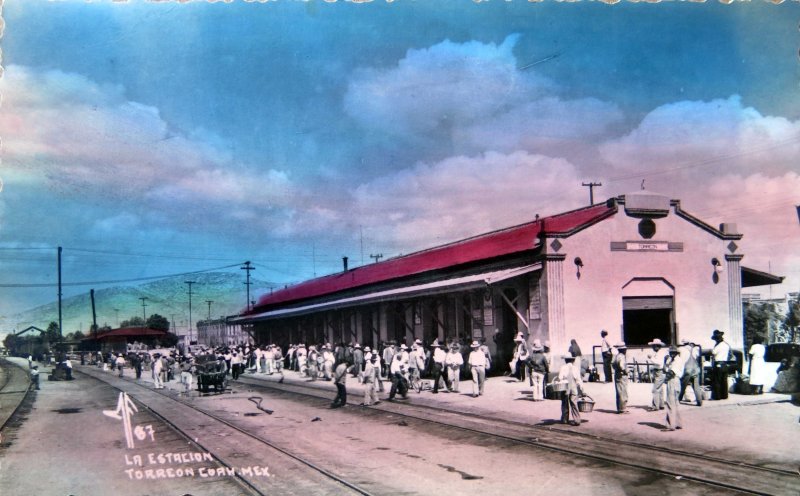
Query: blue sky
x: 291, y: 133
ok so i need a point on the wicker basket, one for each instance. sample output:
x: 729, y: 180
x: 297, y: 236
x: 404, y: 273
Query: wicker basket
x: 559, y: 387
x: 585, y: 404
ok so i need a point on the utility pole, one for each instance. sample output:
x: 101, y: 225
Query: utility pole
x: 209, y: 309
x: 376, y: 257
x: 591, y: 187
x: 189, y: 330
x: 248, y: 267
x: 144, y: 310
x: 361, y: 237
x: 116, y: 311
x: 59, y: 293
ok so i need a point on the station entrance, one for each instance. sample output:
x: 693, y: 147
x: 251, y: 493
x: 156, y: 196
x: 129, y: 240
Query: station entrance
x: 647, y: 318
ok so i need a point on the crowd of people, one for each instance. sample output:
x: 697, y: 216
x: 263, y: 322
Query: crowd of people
x: 674, y: 371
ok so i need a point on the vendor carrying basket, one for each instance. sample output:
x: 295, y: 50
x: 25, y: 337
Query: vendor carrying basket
x: 585, y: 404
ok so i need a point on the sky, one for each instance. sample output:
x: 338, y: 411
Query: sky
x: 155, y: 138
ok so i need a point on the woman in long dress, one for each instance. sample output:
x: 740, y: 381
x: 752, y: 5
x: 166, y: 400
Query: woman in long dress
x: 757, y: 367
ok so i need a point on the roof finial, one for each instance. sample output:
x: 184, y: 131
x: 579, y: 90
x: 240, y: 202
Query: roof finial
x: 643, y: 184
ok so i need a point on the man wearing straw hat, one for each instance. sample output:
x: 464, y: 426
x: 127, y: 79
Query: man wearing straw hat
x: 571, y: 374
x: 539, y: 370
x: 620, y: 366
x: 438, y: 366
x: 477, y: 365
x: 673, y: 371
x: 655, y: 363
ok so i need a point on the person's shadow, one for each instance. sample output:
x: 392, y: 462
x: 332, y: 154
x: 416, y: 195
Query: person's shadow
x: 654, y: 425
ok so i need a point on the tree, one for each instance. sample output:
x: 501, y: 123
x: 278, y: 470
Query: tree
x: 168, y: 341
x: 52, y: 334
x: 156, y: 321
x: 792, y: 320
x: 132, y: 322
x: 77, y: 335
x: 10, y: 342
x: 758, y: 319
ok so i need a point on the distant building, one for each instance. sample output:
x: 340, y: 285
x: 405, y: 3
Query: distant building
x: 125, y: 338
x: 221, y: 332
x: 637, y: 266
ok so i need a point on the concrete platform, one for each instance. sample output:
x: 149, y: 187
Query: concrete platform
x: 760, y: 429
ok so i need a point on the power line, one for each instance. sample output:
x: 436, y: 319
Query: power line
x: 702, y: 163
x: 148, y: 255
x: 115, y: 281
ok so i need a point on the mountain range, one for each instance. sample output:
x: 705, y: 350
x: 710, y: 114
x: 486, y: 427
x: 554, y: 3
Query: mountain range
x: 167, y: 297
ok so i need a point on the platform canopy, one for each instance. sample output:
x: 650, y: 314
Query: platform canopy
x: 473, y: 281
x: 753, y: 277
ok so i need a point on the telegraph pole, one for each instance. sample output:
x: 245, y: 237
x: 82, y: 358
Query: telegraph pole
x: 144, y: 310
x: 116, y: 311
x: 189, y: 331
x: 59, y: 293
x: 248, y: 267
x: 209, y: 309
x: 591, y: 187
x: 376, y: 257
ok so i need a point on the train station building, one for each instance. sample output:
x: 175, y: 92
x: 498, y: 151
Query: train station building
x: 637, y: 266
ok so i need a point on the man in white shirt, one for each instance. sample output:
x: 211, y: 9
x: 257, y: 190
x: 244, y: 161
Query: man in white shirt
x: 655, y: 364
x: 438, y: 367
x: 570, y: 373
x: 257, y: 352
x: 158, y: 366
x: 397, y: 371
x: 477, y: 364
x: 605, y: 349
x: 719, y: 363
x: 620, y: 365
x: 370, y: 375
x: 301, y: 359
x: 120, y: 363
x: 453, y: 361
x: 673, y: 371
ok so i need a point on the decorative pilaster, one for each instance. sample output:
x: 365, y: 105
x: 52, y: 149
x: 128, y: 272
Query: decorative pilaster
x: 736, y: 329
x: 553, y: 301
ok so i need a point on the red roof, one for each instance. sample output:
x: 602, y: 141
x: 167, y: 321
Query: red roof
x: 126, y: 332
x: 484, y: 247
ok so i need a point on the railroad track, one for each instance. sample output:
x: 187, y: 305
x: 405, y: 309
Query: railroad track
x: 701, y: 468
x: 177, y: 414
x: 14, y: 390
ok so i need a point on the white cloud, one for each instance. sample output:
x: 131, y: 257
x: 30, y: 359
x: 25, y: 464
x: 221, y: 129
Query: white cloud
x: 463, y: 196
x: 471, y: 97
x: 699, y: 140
x: 727, y: 163
x: 441, y: 86
x: 82, y: 139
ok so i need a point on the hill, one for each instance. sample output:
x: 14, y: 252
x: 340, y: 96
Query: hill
x: 167, y: 297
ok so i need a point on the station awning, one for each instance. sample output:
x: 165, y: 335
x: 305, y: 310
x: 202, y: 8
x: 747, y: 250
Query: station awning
x: 473, y: 281
x: 753, y: 277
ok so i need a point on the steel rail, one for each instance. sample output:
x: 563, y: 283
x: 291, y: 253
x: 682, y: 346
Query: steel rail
x: 569, y: 436
x: 12, y: 368
x: 227, y: 423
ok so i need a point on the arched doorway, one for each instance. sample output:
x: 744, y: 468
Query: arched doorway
x: 648, y: 311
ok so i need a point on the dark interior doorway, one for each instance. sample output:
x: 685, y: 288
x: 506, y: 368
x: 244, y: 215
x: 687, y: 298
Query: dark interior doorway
x: 647, y: 318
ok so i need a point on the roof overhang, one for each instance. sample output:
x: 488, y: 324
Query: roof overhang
x: 753, y: 277
x: 473, y: 281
